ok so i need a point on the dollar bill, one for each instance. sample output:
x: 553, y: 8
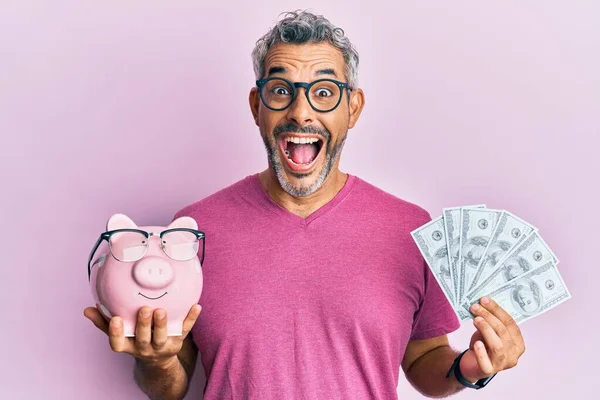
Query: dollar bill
x: 431, y: 241
x: 463, y: 313
x: 529, y: 253
x: 477, y: 226
x: 509, y: 230
x: 452, y: 220
x: 531, y: 294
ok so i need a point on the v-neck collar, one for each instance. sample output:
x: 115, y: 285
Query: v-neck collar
x: 294, y: 218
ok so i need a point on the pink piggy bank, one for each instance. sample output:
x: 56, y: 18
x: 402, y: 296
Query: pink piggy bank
x: 158, y: 267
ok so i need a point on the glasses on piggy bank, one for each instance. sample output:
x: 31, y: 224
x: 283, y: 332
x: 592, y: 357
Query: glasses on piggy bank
x: 131, y: 245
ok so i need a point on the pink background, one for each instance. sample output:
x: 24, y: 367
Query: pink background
x: 141, y: 107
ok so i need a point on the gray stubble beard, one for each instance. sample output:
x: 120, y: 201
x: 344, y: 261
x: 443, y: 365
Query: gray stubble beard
x: 331, y: 157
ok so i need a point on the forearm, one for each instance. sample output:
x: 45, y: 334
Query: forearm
x: 166, y: 382
x: 428, y: 373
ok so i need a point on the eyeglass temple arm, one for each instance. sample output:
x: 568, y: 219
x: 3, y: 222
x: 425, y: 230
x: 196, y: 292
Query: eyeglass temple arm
x: 92, y: 255
x: 203, y: 247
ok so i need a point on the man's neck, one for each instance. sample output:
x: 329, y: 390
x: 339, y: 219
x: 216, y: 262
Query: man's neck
x: 303, y: 206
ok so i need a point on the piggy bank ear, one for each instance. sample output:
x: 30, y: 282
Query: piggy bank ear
x: 120, y: 221
x: 184, y: 222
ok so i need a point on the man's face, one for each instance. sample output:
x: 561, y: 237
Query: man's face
x: 304, y: 145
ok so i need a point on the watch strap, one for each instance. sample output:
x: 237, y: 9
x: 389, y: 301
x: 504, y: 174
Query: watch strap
x: 455, y: 369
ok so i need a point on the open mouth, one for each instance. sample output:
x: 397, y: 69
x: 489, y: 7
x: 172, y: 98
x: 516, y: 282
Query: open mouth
x: 301, y: 151
x: 152, y: 298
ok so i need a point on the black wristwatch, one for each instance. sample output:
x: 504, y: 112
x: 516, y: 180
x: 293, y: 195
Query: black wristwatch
x: 455, y: 368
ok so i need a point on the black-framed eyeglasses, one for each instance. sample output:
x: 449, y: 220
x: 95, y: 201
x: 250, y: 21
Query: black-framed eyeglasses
x: 130, y: 245
x: 323, y: 95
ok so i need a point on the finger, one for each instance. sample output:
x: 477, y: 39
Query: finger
x: 159, y: 332
x: 190, y: 320
x: 483, y: 358
x: 94, y: 315
x: 143, y: 330
x: 496, y: 324
x: 116, y: 336
x: 508, y: 321
x: 491, y: 339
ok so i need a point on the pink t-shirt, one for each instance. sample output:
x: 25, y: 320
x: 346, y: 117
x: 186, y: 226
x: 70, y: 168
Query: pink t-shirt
x: 312, y: 308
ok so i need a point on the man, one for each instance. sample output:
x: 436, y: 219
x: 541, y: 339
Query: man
x: 313, y: 286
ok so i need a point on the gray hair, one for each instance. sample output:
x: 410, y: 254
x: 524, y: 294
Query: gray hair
x: 299, y: 27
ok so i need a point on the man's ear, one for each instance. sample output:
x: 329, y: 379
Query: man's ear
x: 357, y: 102
x: 254, y: 100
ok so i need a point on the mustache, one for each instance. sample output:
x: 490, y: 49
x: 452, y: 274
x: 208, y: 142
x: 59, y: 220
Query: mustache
x: 292, y: 127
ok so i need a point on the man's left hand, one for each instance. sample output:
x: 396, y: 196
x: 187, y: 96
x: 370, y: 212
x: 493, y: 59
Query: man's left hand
x: 495, y: 346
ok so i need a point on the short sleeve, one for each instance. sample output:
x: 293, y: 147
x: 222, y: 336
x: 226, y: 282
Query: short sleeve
x: 435, y: 316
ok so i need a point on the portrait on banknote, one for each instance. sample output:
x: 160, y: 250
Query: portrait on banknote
x: 527, y: 297
x: 514, y: 267
x: 473, y: 250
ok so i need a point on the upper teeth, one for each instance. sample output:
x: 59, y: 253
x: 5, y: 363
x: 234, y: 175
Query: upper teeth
x: 301, y: 140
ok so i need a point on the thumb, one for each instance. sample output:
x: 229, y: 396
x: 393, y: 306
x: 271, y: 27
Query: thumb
x: 94, y: 315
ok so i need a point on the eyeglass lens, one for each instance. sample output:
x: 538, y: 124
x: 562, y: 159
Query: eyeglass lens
x: 180, y: 245
x: 323, y: 95
x: 128, y: 246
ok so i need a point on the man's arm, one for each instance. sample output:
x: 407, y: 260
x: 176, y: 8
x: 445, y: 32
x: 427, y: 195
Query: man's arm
x: 164, y: 364
x: 168, y: 380
x: 426, y: 363
x: 496, y: 345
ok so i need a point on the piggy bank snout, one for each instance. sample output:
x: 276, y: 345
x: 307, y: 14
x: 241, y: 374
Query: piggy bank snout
x: 153, y: 273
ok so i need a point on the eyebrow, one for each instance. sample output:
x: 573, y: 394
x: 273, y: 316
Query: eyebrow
x: 282, y: 70
x: 326, y: 71
x: 276, y: 70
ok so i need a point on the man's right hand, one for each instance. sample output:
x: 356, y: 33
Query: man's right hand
x: 151, y: 345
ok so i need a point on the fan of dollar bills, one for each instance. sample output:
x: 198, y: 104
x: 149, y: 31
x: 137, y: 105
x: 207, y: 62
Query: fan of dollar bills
x: 474, y: 251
